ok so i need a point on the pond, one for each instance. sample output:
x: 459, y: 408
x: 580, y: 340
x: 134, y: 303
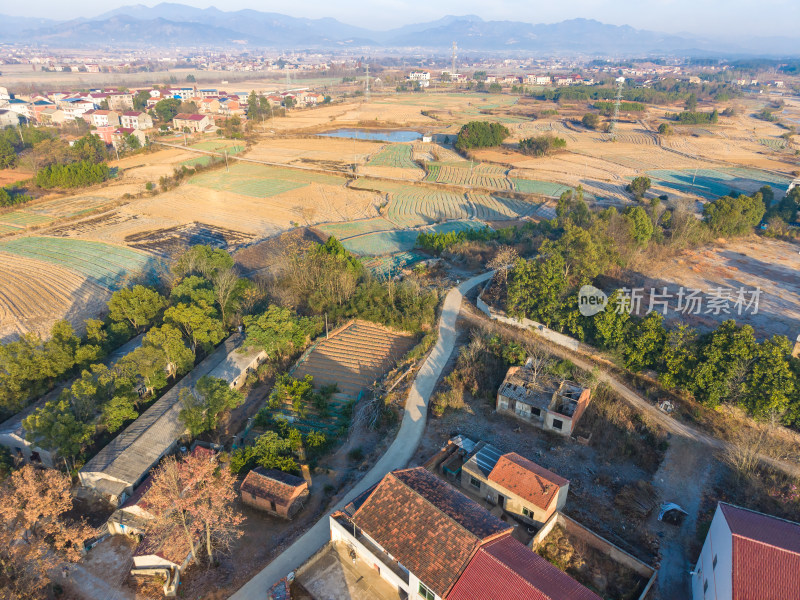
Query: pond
x: 375, y: 134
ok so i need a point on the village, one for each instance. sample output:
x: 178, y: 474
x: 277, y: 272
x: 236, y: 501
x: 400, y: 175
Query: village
x: 309, y: 326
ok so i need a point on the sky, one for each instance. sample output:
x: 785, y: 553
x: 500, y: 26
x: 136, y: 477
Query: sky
x: 712, y: 18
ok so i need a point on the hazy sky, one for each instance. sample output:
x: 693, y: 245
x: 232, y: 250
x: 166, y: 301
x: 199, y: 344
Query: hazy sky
x: 710, y: 17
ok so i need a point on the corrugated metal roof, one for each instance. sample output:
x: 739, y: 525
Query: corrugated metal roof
x: 133, y: 452
x: 487, y: 458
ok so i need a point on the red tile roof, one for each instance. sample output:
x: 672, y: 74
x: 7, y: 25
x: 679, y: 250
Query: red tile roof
x: 427, y: 525
x: 272, y: 485
x: 766, y: 555
x: 515, y: 572
x: 132, y: 113
x: 526, y: 479
x: 188, y: 117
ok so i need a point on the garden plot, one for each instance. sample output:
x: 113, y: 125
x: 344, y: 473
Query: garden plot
x: 354, y: 356
x: 171, y: 242
x: 23, y: 219
x: 414, y: 207
x: 111, y: 267
x: 70, y: 207
x: 229, y: 147
x: 388, y: 266
x: 402, y: 240
x: 6, y: 229
x: 345, y: 230
x: 394, y: 155
x: 495, y: 208
x: 34, y: 294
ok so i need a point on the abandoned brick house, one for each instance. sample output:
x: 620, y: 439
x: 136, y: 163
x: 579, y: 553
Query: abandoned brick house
x: 431, y: 542
x: 516, y: 484
x: 275, y: 492
x: 542, y: 400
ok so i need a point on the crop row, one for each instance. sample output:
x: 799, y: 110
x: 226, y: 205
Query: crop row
x: 394, y: 155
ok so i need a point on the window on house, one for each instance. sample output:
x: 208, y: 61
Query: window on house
x: 705, y: 586
x: 272, y: 505
x: 503, y: 403
x: 537, y: 412
x: 558, y: 424
x: 475, y: 482
x: 714, y: 562
x: 425, y: 592
x: 527, y: 513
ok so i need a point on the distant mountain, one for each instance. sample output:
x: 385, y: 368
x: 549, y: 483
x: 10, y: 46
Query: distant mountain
x: 171, y: 24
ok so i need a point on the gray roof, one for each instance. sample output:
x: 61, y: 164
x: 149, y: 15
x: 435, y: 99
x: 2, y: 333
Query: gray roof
x: 130, y: 455
x: 486, y: 458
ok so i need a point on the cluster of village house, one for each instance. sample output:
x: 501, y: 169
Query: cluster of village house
x: 120, y: 119
x: 471, y: 517
x: 424, y: 79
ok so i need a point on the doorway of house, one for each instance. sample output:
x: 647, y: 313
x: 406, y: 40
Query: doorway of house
x: 501, y: 501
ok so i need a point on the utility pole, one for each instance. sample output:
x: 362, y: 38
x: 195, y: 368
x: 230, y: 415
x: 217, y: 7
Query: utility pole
x: 617, y: 100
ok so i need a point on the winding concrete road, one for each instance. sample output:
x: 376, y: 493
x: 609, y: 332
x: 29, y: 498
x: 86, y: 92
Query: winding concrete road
x: 396, y: 457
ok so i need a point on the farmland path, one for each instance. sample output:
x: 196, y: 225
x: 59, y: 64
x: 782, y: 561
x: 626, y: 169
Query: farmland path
x: 396, y: 457
x: 670, y: 424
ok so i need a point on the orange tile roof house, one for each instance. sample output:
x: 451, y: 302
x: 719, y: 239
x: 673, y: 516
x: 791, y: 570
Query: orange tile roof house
x: 276, y: 492
x: 518, y: 485
x: 423, y: 536
x: 748, y: 555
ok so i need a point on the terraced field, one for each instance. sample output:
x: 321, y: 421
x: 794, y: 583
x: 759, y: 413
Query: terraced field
x: 69, y: 207
x: 103, y: 264
x: 354, y: 356
x: 494, y: 208
x: 4, y: 229
x: 387, y: 266
x: 773, y: 144
x: 261, y: 181
x: 545, y: 188
x: 394, y: 155
x: 348, y: 229
x: 485, y: 176
x: 418, y: 206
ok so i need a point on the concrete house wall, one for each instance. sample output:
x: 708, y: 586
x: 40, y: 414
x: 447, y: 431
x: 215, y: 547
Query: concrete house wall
x: 719, y: 543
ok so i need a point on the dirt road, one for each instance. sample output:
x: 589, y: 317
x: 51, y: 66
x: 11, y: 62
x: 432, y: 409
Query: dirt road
x: 396, y: 457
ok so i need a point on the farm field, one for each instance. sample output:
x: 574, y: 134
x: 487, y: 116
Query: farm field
x: 231, y: 147
x: 34, y: 294
x: 750, y: 263
x: 109, y: 266
x: 333, y: 152
x: 712, y: 183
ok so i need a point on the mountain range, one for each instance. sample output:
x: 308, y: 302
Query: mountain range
x: 172, y: 24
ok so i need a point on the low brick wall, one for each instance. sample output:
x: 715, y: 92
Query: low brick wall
x: 575, y: 529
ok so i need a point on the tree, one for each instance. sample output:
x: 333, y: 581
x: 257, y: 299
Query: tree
x: 691, y: 102
x: 541, y: 145
x: 201, y: 412
x: 611, y: 326
x: 770, y: 384
x: 139, y: 306
x: 646, y: 344
x: 288, y: 102
x: 54, y: 427
x: 639, y: 186
x: 723, y: 361
x: 269, y: 451
x: 203, y: 260
x: 36, y: 534
x: 140, y: 99
x: 665, y: 129
x: 640, y: 226
x: 572, y: 208
x: 8, y: 155
x: 729, y: 216
x: 190, y: 78
x: 90, y: 148
x: 147, y: 362
x: 169, y: 340
x: 199, y: 324
x: 228, y: 290
x: 590, y: 120
x: 679, y: 358
x: 278, y: 331
x: 193, y: 290
x: 495, y: 88
x: 536, y: 288
x: 166, y: 109
x: 120, y: 409
x: 480, y: 134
